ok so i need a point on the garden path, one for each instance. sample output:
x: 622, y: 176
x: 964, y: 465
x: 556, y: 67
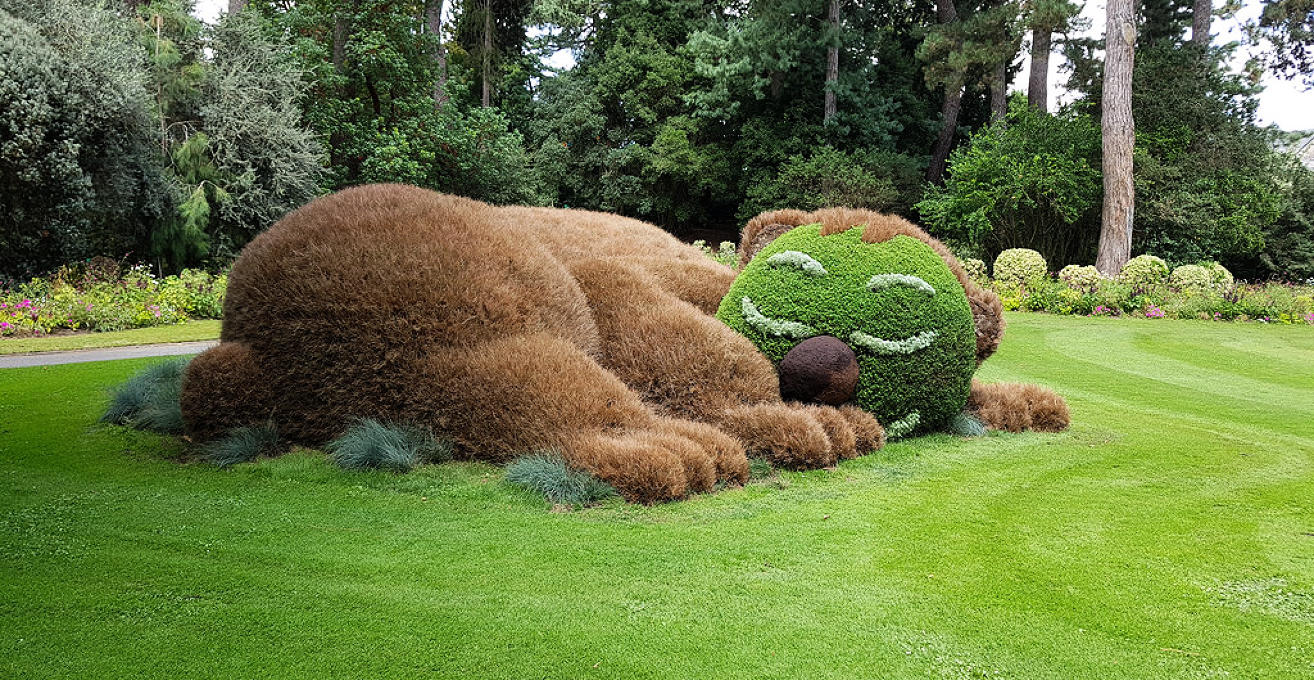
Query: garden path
x: 105, y: 354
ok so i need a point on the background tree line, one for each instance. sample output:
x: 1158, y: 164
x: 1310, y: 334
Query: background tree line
x: 130, y: 129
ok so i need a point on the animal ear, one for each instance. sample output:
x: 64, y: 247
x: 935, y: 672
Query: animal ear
x: 765, y: 228
x: 988, y: 317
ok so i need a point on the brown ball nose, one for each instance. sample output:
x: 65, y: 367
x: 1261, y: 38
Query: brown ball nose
x: 820, y: 369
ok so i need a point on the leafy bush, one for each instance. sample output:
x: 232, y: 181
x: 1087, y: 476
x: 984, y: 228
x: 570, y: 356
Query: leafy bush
x: 1032, y: 180
x: 1195, y: 292
x: 976, y: 270
x: 94, y: 296
x: 79, y: 171
x: 242, y: 445
x: 1192, y: 276
x: 1020, y: 265
x: 1222, y: 278
x: 548, y: 474
x: 371, y: 444
x: 149, y: 400
x: 1084, y: 279
x: 1144, y: 270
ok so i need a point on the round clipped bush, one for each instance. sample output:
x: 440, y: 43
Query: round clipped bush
x: 1020, y: 265
x: 1223, y: 279
x: 1209, y: 276
x: 1192, y: 277
x: 1144, y: 270
x: 1082, y: 278
x: 894, y: 305
x: 976, y: 270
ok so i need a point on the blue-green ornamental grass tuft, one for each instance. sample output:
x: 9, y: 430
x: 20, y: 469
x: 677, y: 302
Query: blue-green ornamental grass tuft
x: 549, y: 475
x: 966, y: 425
x: 372, y: 444
x: 149, y: 399
x: 242, y: 445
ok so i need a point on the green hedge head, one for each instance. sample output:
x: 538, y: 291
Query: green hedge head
x: 895, y: 304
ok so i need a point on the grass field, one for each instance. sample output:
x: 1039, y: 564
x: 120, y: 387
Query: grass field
x: 206, y: 329
x: 1169, y: 534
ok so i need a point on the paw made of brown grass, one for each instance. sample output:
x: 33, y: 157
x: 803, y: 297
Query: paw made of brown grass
x: 788, y: 436
x: 727, y: 454
x: 1014, y: 407
x: 666, y: 462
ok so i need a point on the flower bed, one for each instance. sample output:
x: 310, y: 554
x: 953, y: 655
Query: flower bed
x: 1263, y: 302
x: 98, y: 296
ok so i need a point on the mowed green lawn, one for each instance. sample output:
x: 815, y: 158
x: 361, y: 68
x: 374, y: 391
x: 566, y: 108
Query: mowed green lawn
x: 1169, y: 534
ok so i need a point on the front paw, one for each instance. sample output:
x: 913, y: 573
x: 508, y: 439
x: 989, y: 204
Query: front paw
x: 786, y: 436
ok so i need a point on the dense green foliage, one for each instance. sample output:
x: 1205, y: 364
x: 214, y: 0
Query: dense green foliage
x: 139, y: 133
x: 127, y: 141
x: 915, y: 347
x: 78, y: 174
x: 1161, y: 537
x: 1031, y: 181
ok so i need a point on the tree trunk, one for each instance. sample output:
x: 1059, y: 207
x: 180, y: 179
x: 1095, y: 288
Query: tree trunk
x: 1119, y: 133
x: 946, y: 13
x: 832, y: 62
x: 953, y: 101
x: 1038, y: 84
x: 341, y: 30
x: 1202, y: 12
x: 999, y: 92
x: 236, y: 6
x: 433, y: 16
x: 488, y: 52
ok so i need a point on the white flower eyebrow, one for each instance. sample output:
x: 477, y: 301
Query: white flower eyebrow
x: 908, y: 345
x: 793, y: 258
x: 880, y: 281
x: 777, y: 327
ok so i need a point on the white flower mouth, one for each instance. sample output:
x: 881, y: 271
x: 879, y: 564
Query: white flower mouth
x: 903, y: 425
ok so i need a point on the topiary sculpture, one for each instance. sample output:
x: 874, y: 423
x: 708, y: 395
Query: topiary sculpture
x: 1144, y: 270
x: 508, y: 330
x: 863, y: 308
x: 889, y: 314
x: 1020, y: 266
